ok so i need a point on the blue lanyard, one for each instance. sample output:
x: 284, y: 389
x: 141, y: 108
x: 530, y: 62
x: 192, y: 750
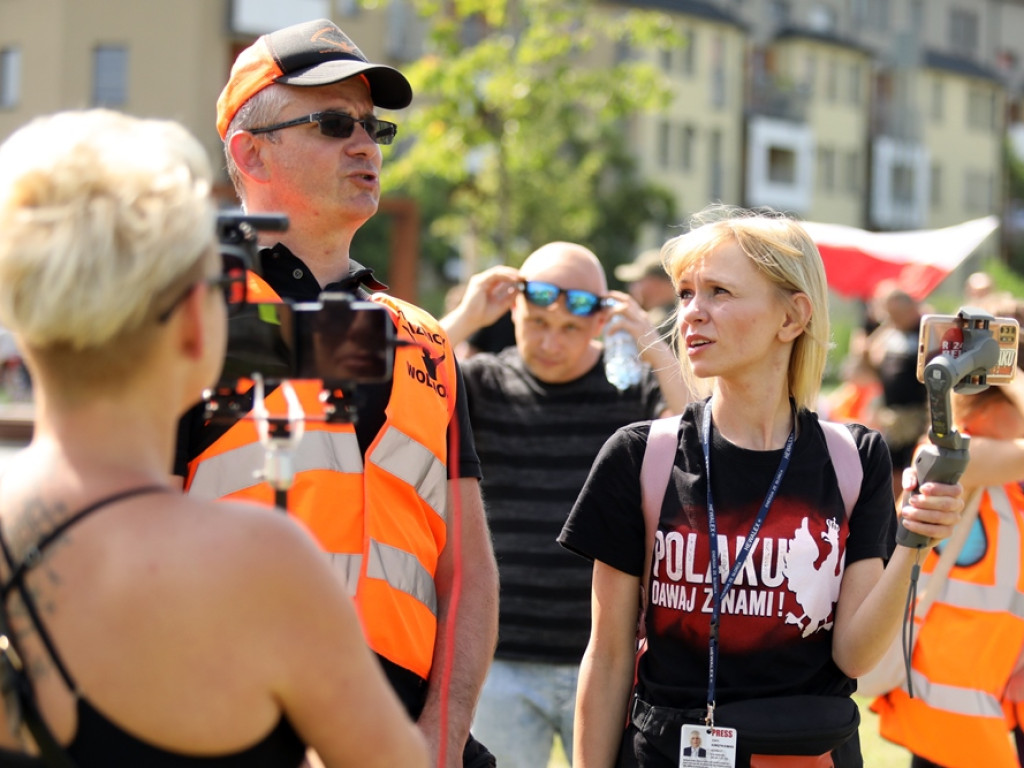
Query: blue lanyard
x: 719, y: 588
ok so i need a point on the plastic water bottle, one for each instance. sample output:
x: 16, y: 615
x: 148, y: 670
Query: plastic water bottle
x: 622, y: 366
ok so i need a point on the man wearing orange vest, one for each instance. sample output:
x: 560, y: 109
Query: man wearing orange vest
x: 381, y: 496
x: 966, y: 659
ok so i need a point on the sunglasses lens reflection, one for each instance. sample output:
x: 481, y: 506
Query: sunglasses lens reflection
x: 578, y: 302
x: 581, y: 302
x: 542, y: 294
x: 338, y: 126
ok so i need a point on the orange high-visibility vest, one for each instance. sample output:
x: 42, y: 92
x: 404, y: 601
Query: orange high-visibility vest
x: 967, y: 650
x: 382, y: 518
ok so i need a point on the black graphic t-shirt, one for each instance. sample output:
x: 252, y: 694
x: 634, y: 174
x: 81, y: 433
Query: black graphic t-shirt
x: 776, y: 625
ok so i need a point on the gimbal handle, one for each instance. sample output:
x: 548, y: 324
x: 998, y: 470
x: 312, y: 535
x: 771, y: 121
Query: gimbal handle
x: 945, y: 459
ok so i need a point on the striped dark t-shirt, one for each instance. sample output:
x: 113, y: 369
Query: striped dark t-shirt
x: 536, y: 443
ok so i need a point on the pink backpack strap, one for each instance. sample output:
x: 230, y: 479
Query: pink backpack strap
x: 842, y: 449
x: 659, y: 456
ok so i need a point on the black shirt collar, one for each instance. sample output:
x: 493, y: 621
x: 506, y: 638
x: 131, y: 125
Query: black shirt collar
x: 289, y: 276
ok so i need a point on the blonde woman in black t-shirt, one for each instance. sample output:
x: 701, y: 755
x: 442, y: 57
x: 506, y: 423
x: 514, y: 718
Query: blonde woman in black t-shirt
x: 804, y: 602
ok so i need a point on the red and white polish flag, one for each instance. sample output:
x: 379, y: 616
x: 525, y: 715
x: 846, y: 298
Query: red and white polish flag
x: 856, y: 260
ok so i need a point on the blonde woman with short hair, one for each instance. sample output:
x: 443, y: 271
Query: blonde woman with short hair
x: 154, y: 629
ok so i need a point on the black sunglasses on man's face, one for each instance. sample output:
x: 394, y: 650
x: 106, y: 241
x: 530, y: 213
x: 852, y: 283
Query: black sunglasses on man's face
x: 338, y: 125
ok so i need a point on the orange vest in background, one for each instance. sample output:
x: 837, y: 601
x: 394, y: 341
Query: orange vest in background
x: 967, y: 651
x: 383, y: 519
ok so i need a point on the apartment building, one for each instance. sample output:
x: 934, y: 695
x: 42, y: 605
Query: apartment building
x: 154, y: 59
x: 886, y: 114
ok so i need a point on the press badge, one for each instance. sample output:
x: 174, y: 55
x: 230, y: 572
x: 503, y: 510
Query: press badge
x: 703, y: 746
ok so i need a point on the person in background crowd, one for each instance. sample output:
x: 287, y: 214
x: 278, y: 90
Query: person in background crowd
x: 858, y: 394
x: 147, y: 624
x: 649, y: 283
x: 381, y: 495
x: 751, y: 463
x: 540, y: 412
x: 965, y: 662
x: 977, y: 287
x: 892, y: 351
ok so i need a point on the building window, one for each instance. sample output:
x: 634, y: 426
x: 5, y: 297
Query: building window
x: 832, y: 80
x: 936, y: 186
x: 10, y: 77
x: 856, y: 84
x: 110, y: 76
x: 403, y: 37
x: 716, y: 169
x: 876, y: 15
x: 981, y: 109
x: 937, y: 100
x: 827, y: 169
x: 781, y: 165
x: 810, y: 73
x: 665, y: 60
x: 687, y: 138
x: 822, y: 18
x: 978, y: 192
x: 779, y: 11
x: 689, y: 62
x: 963, y: 31
x: 903, y: 183
x: 853, y: 172
x: 623, y: 51
x: 718, y: 71
x: 917, y: 17
x: 664, y: 134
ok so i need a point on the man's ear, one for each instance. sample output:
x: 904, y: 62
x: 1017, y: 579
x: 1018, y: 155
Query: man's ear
x: 798, y: 315
x: 517, y: 311
x: 600, y: 322
x: 246, y: 151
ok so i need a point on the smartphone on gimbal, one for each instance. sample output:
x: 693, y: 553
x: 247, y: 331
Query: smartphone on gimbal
x: 945, y: 335
x: 338, y: 339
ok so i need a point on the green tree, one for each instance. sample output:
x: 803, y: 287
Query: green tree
x: 518, y: 126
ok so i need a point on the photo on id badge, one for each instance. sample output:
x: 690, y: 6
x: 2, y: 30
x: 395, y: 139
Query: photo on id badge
x: 704, y: 747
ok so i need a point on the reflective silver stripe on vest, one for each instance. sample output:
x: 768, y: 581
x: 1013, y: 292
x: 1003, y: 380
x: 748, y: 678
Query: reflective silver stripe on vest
x: 238, y: 469
x: 346, y: 568
x: 998, y: 597
x: 411, y: 462
x: 958, y: 701
x: 403, y: 572
x: 1003, y: 595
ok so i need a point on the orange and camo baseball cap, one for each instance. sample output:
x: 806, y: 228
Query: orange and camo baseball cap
x: 308, y: 54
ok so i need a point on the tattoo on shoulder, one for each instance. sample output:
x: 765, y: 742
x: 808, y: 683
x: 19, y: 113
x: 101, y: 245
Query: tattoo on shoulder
x: 38, y: 518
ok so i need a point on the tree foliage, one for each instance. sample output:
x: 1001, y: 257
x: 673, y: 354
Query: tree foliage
x: 518, y: 126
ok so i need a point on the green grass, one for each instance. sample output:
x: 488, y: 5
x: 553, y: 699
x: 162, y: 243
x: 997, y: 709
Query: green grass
x: 878, y: 753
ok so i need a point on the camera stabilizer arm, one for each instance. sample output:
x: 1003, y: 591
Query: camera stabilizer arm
x: 280, y: 436
x: 945, y: 458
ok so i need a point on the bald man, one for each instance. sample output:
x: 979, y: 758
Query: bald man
x: 541, y: 411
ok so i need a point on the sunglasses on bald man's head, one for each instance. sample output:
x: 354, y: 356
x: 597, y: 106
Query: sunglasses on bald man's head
x: 578, y: 302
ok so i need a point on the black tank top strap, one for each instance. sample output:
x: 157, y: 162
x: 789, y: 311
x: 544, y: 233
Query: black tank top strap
x: 34, y: 556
